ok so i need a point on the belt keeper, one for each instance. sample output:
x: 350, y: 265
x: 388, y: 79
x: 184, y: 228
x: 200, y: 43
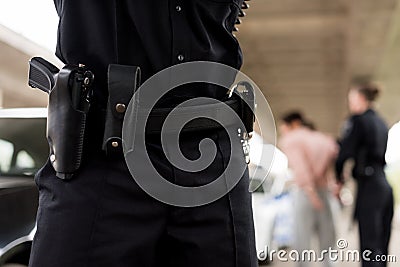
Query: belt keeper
x: 123, y: 81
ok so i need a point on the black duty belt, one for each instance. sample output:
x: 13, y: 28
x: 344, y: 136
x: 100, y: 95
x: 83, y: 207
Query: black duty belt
x: 70, y: 91
x: 123, y: 82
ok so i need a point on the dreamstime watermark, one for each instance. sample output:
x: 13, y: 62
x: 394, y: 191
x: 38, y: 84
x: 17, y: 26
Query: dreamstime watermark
x: 137, y: 117
x: 339, y: 254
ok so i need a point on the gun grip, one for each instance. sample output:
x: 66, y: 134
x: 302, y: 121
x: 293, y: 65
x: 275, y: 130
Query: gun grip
x: 42, y: 74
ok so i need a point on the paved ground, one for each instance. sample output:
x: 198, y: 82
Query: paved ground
x: 351, y: 236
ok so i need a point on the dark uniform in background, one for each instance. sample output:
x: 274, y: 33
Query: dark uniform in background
x: 101, y: 217
x: 365, y: 141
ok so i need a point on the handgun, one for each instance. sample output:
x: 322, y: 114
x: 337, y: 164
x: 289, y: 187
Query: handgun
x: 43, y: 75
x: 69, y: 92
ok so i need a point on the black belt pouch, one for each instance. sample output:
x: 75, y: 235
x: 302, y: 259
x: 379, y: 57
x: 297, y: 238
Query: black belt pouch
x: 123, y: 82
x: 65, y: 128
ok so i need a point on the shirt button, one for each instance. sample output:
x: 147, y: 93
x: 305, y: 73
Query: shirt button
x: 178, y: 8
x: 181, y: 57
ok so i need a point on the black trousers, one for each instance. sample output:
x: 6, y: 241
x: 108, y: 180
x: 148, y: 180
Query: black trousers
x: 374, y: 211
x: 103, y: 218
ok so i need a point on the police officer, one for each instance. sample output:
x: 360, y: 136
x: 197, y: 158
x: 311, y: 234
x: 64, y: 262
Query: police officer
x: 101, y: 217
x: 364, y: 140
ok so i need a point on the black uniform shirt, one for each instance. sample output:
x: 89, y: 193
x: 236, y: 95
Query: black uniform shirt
x: 364, y: 140
x: 151, y: 34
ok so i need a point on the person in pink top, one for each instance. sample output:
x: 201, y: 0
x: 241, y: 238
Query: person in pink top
x: 311, y: 157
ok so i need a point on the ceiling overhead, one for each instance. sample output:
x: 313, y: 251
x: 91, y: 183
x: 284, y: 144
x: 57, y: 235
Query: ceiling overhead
x: 304, y: 54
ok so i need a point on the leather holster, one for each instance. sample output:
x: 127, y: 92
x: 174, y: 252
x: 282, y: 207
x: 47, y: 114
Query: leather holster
x: 65, y: 127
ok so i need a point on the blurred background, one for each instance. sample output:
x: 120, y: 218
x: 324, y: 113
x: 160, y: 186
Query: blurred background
x: 303, y: 54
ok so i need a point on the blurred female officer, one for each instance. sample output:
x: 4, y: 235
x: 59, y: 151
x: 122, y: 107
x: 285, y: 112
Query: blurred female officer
x: 365, y: 140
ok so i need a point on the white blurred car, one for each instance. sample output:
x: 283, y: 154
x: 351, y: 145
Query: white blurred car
x: 272, y: 206
x: 23, y: 150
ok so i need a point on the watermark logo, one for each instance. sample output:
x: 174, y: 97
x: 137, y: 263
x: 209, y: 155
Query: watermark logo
x: 342, y: 244
x: 341, y: 253
x: 138, y: 114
